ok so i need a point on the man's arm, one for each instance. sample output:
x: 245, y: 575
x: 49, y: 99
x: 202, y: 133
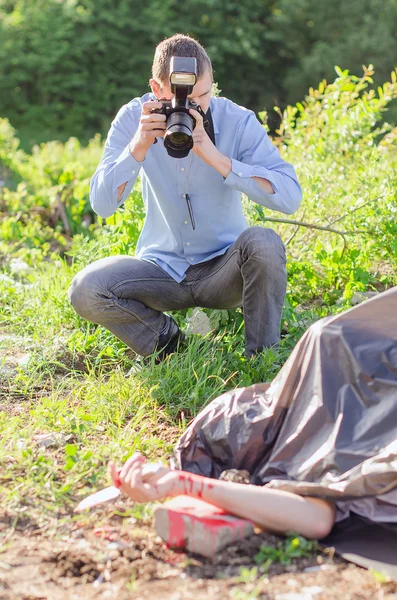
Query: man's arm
x: 224, y: 167
x: 125, y: 150
x: 121, y: 189
x: 264, y: 184
x: 258, y: 171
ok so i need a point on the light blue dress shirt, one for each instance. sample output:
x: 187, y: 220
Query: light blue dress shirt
x: 167, y: 237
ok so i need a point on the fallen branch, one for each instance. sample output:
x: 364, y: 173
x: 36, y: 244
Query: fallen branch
x: 319, y: 227
x: 60, y: 209
x: 291, y: 237
x: 312, y: 226
x: 353, y: 210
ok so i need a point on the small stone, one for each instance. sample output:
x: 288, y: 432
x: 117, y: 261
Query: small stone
x: 320, y: 568
x: 293, y: 596
x: 82, y: 544
x: 112, y: 593
x: 235, y: 476
x: 198, y: 323
x: 18, y: 266
x: 77, y: 534
x: 314, y: 589
x: 170, y: 572
x: 360, y: 297
x: 117, y: 546
x: 100, y: 579
x: 55, y: 438
x: 22, y: 361
x: 6, y: 279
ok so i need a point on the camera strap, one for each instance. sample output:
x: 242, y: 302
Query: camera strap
x: 187, y: 196
x: 209, y: 126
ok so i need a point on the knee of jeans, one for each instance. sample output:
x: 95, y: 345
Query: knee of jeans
x: 264, y: 244
x: 84, y: 295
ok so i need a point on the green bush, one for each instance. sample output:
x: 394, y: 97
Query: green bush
x: 346, y: 158
x: 47, y: 193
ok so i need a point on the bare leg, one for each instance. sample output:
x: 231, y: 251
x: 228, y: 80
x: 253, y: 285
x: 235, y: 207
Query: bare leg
x: 274, y: 510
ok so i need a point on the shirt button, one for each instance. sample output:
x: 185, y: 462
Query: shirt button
x: 185, y: 222
x: 192, y: 258
x: 182, y: 169
x: 240, y: 174
x: 133, y: 172
x: 187, y: 243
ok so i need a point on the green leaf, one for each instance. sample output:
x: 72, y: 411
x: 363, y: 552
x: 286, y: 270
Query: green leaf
x: 71, y: 450
x: 69, y: 463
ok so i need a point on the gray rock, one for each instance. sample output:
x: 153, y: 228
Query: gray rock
x: 359, y: 297
x: 17, y: 266
x: 55, y: 438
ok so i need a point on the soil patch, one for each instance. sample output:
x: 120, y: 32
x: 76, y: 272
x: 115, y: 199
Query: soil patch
x: 122, y: 561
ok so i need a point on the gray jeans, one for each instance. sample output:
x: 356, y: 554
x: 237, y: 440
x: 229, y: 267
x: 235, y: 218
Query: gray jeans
x: 128, y: 295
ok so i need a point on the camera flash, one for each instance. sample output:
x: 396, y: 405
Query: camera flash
x: 183, y: 78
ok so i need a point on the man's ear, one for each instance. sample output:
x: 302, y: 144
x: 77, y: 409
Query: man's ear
x: 156, y: 87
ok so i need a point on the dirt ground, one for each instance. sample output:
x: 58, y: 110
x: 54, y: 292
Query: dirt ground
x: 108, y: 557
x: 122, y: 561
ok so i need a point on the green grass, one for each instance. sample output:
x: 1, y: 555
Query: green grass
x: 285, y: 552
x: 76, y: 382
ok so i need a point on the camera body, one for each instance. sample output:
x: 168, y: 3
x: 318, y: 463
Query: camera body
x: 178, y: 139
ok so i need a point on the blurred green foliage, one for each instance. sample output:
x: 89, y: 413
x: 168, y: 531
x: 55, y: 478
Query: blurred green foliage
x: 314, y: 36
x: 66, y: 66
x: 46, y: 194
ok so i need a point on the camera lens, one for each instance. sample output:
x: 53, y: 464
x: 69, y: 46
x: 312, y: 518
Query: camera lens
x: 178, y: 136
x: 179, y: 139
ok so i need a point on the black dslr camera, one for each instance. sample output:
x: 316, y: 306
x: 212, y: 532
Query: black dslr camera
x: 178, y: 138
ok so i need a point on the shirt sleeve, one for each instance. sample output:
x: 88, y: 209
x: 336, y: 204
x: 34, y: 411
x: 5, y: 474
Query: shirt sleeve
x: 117, y: 166
x: 258, y: 157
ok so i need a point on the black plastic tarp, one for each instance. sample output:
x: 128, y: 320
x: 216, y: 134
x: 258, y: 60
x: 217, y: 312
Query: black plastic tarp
x: 325, y: 427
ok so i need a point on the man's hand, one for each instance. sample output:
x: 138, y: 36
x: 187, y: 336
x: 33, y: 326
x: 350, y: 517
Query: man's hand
x: 151, y: 125
x: 205, y: 149
x: 144, y: 489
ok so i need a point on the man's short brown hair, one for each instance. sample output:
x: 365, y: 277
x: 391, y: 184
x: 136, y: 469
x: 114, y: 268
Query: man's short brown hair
x: 179, y: 45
